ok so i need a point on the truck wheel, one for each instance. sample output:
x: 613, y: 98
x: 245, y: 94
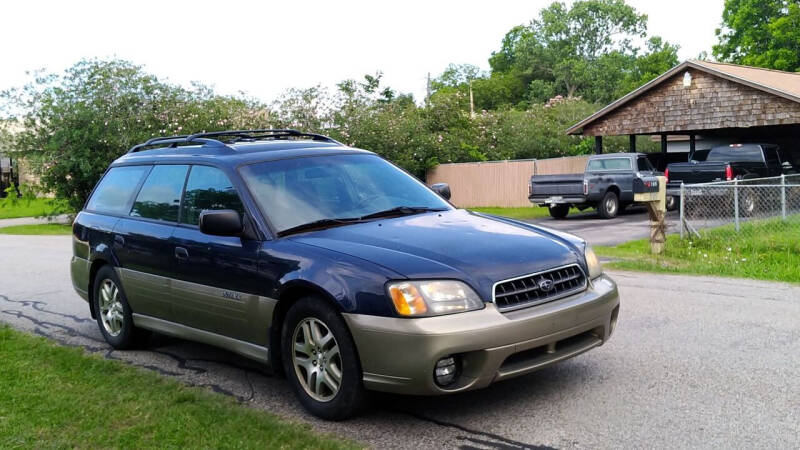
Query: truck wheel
x: 609, y: 206
x: 320, y: 360
x: 672, y: 203
x: 114, y: 315
x: 747, y: 203
x: 559, y: 211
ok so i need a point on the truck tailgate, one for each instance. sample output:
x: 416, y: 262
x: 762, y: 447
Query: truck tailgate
x: 701, y: 172
x: 555, y: 185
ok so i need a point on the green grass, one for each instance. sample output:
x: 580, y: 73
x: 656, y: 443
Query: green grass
x: 11, y: 208
x: 45, y: 228
x: 768, y: 250
x: 526, y: 212
x: 59, y: 397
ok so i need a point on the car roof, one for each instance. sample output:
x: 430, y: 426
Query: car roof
x: 235, y: 154
x: 615, y: 155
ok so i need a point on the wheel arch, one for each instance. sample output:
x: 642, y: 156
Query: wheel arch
x: 97, y: 264
x: 291, y: 293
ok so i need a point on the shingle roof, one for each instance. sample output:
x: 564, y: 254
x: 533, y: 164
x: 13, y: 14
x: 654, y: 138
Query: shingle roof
x: 787, y: 82
x: 776, y: 82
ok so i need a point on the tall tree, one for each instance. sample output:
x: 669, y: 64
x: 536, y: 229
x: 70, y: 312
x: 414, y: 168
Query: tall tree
x: 763, y: 33
x: 564, y: 44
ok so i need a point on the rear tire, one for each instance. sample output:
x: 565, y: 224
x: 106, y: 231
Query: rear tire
x: 559, y: 211
x: 747, y: 203
x: 114, y: 314
x: 609, y: 206
x: 320, y: 360
x: 672, y: 203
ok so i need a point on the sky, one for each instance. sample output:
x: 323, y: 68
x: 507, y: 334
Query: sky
x: 263, y: 48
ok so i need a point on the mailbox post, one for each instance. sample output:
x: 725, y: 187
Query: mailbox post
x: 653, y: 193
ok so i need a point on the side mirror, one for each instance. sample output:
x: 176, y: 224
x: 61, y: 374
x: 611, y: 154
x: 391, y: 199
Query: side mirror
x: 443, y: 189
x: 221, y: 222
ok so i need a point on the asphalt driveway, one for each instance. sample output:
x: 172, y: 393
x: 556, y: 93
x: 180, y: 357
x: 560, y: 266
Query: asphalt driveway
x: 695, y: 362
x: 632, y: 224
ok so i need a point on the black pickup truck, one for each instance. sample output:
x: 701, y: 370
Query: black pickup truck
x: 607, y: 184
x: 727, y: 163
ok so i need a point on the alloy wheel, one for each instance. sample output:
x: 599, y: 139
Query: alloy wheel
x: 111, y: 312
x: 316, y: 359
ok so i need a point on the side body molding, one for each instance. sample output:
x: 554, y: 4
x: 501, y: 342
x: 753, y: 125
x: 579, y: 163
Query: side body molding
x: 247, y: 349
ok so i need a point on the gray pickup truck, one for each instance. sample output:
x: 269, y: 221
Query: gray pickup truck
x: 607, y: 184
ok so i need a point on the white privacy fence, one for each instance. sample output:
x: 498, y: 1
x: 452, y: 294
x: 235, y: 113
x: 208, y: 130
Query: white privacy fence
x: 746, y: 206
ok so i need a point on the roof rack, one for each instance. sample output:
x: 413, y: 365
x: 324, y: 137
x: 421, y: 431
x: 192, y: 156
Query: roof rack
x: 213, y: 138
x: 264, y: 134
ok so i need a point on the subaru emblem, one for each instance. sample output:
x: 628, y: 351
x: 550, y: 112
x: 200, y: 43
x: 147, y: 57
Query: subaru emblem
x: 546, y: 284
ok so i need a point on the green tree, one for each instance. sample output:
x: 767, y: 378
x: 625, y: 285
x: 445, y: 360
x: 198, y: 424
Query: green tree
x: 75, y: 123
x: 762, y: 33
x: 584, y: 50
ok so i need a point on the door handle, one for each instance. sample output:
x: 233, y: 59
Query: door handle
x: 119, y: 240
x: 181, y: 253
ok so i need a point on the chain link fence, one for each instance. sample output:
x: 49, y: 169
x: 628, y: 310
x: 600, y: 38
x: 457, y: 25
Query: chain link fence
x: 753, y: 206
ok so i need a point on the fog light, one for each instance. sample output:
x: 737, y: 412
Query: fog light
x: 446, y: 371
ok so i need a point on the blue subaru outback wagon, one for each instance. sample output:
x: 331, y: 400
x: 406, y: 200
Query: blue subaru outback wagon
x: 332, y: 265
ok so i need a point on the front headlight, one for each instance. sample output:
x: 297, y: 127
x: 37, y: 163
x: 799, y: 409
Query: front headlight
x: 595, y: 269
x: 432, y: 297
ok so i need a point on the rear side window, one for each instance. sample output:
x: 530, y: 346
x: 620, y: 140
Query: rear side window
x: 208, y: 188
x: 644, y: 164
x: 115, y: 191
x: 160, y: 196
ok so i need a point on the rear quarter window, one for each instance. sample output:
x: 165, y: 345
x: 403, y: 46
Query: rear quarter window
x: 114, y: 193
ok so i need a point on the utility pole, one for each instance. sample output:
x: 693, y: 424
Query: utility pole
x: 471, y: 101
x: 428, y: 89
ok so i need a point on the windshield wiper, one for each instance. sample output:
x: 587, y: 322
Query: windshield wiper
x: 400, y: 211
x: 327, y: 223
x: 321, y: 223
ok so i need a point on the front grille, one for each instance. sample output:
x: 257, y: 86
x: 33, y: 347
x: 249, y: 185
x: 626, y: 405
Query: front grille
x: 539, y: 287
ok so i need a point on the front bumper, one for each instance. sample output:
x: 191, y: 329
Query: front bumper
x: 399, y: 355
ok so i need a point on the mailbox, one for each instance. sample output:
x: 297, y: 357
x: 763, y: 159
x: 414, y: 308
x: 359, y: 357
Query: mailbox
x: 645, y: 184
x: 646, y: 189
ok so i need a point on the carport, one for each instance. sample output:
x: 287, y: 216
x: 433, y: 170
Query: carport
x: 706, y: 104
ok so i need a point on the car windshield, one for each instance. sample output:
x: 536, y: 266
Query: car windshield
x: 298, y: 191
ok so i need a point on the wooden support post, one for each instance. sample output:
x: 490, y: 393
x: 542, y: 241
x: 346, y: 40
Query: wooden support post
x: 658, y: 228
x: 632, y: 141
x: 598, y: 145
x: 663, y: 152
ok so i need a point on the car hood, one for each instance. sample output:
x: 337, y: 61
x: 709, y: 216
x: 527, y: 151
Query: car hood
x: 458, y: 244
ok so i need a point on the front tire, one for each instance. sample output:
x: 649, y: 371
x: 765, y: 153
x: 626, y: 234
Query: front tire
x: 114, y: 314
x: 320, y: 360
x: 609, y: 206
x: 559, y: 211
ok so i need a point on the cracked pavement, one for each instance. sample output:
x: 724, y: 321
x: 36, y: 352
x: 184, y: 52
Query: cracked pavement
x: 694, y: 362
